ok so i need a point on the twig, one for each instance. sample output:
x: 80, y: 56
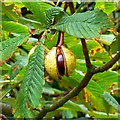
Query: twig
x: 40, y: 35
x: 71, y: 6
x: 108, y: 64
x: 54, y: 95
x: 85, y: 51
x: 65, y: 6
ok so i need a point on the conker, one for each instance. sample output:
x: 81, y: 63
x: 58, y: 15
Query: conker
x: 59, y: 61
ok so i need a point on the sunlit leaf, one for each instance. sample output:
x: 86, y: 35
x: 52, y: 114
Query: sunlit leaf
x: 14, y: 27
x: 111, y: 100
x: 107, y: 7
x: 74, y: 106
x: 97, y: 52
x: 106, y: 79
x: 115, y: 45
x: 9, y: 12
x: 38, y: 9
x: 107, y: 39
x: 67, y: 114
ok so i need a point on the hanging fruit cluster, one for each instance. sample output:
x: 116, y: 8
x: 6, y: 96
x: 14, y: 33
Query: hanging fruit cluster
x: 59, y: 60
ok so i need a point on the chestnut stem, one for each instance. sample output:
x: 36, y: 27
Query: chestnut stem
x: 60, y: 39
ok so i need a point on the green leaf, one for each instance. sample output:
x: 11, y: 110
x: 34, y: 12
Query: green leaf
x: 9, y: 12
x: 106, y: 79
x: 74, y: 106
x: 67, y: 114
x: 51, y: 13
x: 17, y: 66
x: 101, y: 115
x: 107, y: 7
x: 32, y: 86
x: 10, y: 45
x: 85, y: 25
x: 38, y: 9
x: 111, y: 100
x: 115, y: 45
x: 97, y: 52
x: 93, y: 95
x: 14, y: 27
x: 4, y: 35
x: 107, y: 39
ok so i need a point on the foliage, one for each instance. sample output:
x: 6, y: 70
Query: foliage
x: 89, y: 24
x: 30, y: 29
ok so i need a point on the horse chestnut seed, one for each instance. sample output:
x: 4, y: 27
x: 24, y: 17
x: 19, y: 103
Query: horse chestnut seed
x: 59, y: 61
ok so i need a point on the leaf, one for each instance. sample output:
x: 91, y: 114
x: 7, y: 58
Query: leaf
x: 85, y: 25
x: 10, y: 45
x: 4, y: 35
x: 14, y: 27
x: 101, y: 115
x: 32, y: 86
x: 107, y: 39
x: 115, y: 45
x: 67, y: 114
x: 51, y: 13
x: 93, y: 95
x: 106, y: 79
x: 111, y: 100
x: 9, y: 12
x: 97, y: 52
x: 107, y: 7
x: 17, y: 66
x: 74, y: 106
x: 30, y: 21
x: 38, y: 9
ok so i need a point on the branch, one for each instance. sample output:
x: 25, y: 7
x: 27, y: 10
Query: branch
x: 54, y: 95
x: 74, y: 92
x: 6, y: 109
x: 85, y: 51
x: 108, y: 64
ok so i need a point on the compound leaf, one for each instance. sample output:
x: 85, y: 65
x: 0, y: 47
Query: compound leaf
x: 32, y: 86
